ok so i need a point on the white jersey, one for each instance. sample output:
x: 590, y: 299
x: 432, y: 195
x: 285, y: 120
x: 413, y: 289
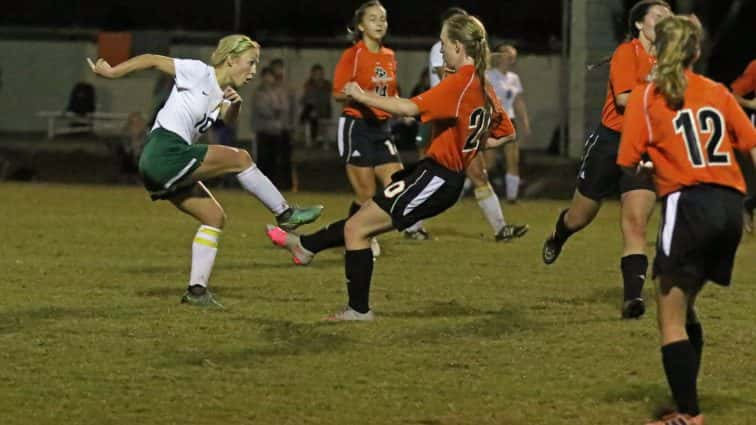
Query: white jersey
x: 507, y: 87
x: 194, y: 103
x: 436, y: 60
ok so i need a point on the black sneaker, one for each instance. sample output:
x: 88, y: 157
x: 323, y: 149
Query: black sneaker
x: 511, y: 231
x: 551, y: 250
x: 633, y: 309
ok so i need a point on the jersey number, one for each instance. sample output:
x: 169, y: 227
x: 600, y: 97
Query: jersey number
x: 709, y: 121
x: 480, y: 119
x: 205, y: 123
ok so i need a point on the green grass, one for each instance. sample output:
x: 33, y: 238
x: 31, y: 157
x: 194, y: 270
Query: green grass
x: 468, y: 331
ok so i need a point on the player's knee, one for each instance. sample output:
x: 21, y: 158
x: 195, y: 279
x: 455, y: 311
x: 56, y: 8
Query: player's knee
x: 215, y: 217
x: 243, y: 160
x: 634, y: 225
x: 353, y: 230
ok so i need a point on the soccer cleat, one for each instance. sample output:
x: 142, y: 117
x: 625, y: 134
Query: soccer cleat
x: 205, y: 299
x: 351, y: 315
x: 511, y: 231
x: 375, y: 247
x: 295, y: 217
x: 418, y: 235
x: 291, y: 242
x: 633, y: 309
x: 551, y: 250
x: 679, y: 419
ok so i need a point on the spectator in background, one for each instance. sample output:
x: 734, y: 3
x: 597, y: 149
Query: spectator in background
x: 271, y: 120
x: 129, y: 149
x: 316, y: 102
x: 82, y: 102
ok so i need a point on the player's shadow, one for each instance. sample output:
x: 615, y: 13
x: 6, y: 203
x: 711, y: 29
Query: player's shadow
x: 474, y: 322
x: 177, y: 290
x: 281, y: 338
x: 20, y: 320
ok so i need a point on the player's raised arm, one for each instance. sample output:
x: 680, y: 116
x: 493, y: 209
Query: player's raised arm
x: 102, y: 68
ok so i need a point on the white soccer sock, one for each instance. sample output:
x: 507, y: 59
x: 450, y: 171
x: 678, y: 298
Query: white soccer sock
x: 513, y: 186
x: 490, y: 206
x: 258, y: 184
x: 204, y: 249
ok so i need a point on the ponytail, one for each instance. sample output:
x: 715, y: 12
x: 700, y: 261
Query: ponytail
x: 469, y: 31
x: 677, y: 45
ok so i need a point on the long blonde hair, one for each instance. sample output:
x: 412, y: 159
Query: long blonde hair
x: 232, y: 46
x: 677, y: 45
x: 470, y: 32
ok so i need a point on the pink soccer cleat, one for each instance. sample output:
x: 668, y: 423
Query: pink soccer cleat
x: 289, y: 241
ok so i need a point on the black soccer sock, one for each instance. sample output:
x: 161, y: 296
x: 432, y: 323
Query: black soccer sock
x: 354, y: 208
x: 695, y: 336
x: 561, y: 232
x: 634, y: 267
x: 328, y: 237
x: 680, y: 365
x: 358, y: 266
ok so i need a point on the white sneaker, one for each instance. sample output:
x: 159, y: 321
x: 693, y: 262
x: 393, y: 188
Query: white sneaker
x: 351, y: 315
x: 375, y: 247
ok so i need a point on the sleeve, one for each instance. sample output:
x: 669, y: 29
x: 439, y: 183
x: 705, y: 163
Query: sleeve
x: 516, y: 84
x: 439, y: 102
x: 742, y: 132
x: 343, y: 73
x: 635, y: 130
x: 746, y: 83
x: 622, y: 69
x: 501, y: 125
x: 188, y: 71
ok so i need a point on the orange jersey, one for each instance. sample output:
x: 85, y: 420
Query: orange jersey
x: 629, y: 67
x: 460, y: 119
x: 746, y: 83
x: 693, y: 145
x: 374, y: 72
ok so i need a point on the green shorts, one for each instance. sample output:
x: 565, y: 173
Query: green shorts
x: 167, y: 161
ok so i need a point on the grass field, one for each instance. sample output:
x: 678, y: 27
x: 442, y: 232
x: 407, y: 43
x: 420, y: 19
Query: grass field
x: 468, y: 331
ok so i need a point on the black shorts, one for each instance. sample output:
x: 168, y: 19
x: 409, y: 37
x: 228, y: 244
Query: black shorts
x: 365, y: 143
x: 699, y: 233
x: 599, y: 175
x: 420, y: 192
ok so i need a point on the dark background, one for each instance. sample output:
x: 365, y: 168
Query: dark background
x: 535, y: 25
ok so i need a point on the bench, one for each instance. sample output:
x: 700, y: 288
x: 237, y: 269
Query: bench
x: 95, y: 122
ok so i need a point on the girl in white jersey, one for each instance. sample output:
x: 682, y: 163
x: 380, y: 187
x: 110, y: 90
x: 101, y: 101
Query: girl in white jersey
x: 509, y: 91
x: 173, y: 167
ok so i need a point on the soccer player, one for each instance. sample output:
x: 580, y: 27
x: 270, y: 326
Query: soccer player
x: 488, y: 200
x: 690, y: 127
x: 172, y: 166
x: 466, y: 117
x: 743, y: 86
x: 364, y: 134
x: 509, y: 90
x: 599, y: 176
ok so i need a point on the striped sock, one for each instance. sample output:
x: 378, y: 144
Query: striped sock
x: 204, y: 249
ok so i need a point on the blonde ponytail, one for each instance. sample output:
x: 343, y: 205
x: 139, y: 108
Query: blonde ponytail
x: 469, y: 31
x: 677, y: 45
x: 232, y: 46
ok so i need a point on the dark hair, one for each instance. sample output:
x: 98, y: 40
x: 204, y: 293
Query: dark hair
x: 638, y: 12
x: 354, y: 30
x: 266, y: 71
x: 448, y: 13
x: 276, y: 62
x: 316, y: 67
